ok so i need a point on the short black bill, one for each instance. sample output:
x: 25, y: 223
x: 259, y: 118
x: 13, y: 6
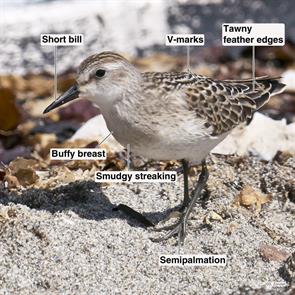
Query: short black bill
x: 69, y: 95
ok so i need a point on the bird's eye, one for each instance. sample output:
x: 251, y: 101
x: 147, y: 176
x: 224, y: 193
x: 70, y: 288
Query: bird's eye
x: 100, y: 73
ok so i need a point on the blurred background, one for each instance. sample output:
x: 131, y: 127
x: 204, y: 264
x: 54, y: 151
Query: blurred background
x: 135, y: 29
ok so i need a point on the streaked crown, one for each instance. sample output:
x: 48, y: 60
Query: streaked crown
x: 103, y: 58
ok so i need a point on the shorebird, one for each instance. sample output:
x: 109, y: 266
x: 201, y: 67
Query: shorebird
x: 168, y: 116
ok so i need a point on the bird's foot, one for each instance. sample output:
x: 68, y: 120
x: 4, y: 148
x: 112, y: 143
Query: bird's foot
x: 179, y: 229
x: 171, y: 215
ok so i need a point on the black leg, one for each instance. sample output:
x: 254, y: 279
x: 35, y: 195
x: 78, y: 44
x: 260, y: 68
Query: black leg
x: 203, y: 177
x: 186, y: 199
x: 180, y: 227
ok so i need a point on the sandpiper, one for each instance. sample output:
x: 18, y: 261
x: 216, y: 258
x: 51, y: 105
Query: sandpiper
x: 169, y: 115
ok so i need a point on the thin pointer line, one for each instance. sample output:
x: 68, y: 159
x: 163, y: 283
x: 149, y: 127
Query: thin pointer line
x: 105, y: 139
x: 128, y: 156
x: 253, y: 67
x: 55, y: 71
x: 5, y: 166
x: 179, y: 247
x: 188, y: 58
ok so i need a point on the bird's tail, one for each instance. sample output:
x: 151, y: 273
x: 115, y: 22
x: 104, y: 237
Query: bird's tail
x: 264, y: 88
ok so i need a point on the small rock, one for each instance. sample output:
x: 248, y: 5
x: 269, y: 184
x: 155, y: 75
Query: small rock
x: 249, y: 197
x: 8, y: 106
x: 271, y: 253
x: 212, y: 216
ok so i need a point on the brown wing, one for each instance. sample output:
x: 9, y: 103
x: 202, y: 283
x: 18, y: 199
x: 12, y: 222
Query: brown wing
x: 221, y: 104
x: 226, y: 104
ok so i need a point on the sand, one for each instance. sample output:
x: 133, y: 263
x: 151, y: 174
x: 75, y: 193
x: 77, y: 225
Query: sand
x: 70, y: 241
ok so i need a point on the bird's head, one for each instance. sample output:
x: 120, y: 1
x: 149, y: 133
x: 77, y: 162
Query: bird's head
x: 103, y: 79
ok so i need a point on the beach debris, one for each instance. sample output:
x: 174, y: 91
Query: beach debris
x: 272, y: 253
x: 251, y: 198
x: 212, y: 216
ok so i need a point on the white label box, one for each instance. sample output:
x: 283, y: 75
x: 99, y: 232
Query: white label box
x: 185, y: 40
x: 62, y: 39
x: 253, y: 34
x: 192, y: 260
x: 135, y: 176
x: 77, y: 154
